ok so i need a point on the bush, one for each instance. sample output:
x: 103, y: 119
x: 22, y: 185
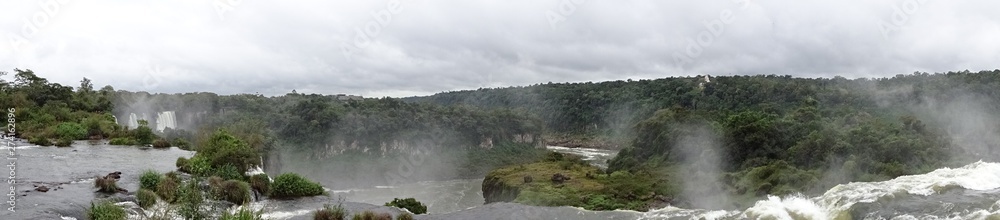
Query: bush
x: 181, y: 143
x: 106, y: 185
x: 242, y: 214
x: 366, y: 215
x: 290, y: 185
x: 64, y: 142
x: 198, y: 166
x: 191, y: 199
x: 182, y: 164
x: 383, y: 216
x: 329, y: 212
x: 229, y: 172
x: 167, y: 189
x: 404, y: 216
x: 160, y: 143
x: 146, y: 198
x: 223, y: 149
x: 40, y: 141
x: 410, y: 204
x: 144, y: 135
x: 237, y: 192
x: 149, y: 179
x: 106, y: 211
x: 123, y: 141
x: 71, y: 131
x: 261, y: 183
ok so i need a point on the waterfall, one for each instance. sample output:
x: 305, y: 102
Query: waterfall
x: 133, y: 121
x: 165, y: 120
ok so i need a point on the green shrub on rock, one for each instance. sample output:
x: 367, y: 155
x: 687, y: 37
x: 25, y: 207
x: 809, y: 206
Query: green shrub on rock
x: 261, y: 183
x: 237, y: 192
x: 146, y: 198
x: 149, y: 180
x: 291, y: 185
x: 106, y: 211
x: 329, y: 212
x: 410, y: 204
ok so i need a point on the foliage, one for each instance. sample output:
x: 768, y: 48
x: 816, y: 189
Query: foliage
x: 243, y: 214
x: 64, y: 143
x: 146, y: 198
x: 70, y: 131
x: 229, y: 172
x: 40, y: 141
x: 410, y: 204
x: 106, y: 185
x: 167, y: 189
x: 149, y: 179
x: 161, y: 143
x: 123, y: 141
x: 371, y: 215
x: 181, y: 164
x: 237, y: 192
x: 191, y: 199
x: 222, y: 149
x: 261, y: 183
x: 106, y: 211
x: 291, y: 185
x: 404, y: 216
x: 329, y: 212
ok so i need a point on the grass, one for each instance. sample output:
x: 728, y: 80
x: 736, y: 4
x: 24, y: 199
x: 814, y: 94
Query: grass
x: 106, y: 211
x: 242, y: 214
x: 405, y: 216
x: 291, y: 185
x: 106, y: 185
x: 261, y: 183
x: 167, y: 189
x: 235, y: 191
x: 329, y: 212
x: 146, y: 198
x: 149, y: 179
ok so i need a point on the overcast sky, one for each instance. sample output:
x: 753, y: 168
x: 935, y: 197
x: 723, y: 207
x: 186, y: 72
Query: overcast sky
x: 403, y: 48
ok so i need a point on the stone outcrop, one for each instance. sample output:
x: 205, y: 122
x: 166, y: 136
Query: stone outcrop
x: 496, y: 190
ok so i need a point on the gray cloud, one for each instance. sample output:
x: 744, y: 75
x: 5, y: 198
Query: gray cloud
x: 430, y: 45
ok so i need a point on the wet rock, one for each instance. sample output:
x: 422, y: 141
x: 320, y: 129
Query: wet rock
x: 559, y: 178
x: 42, y: 189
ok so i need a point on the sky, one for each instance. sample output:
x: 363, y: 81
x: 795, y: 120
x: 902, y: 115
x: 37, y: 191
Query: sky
x: 404, y: 48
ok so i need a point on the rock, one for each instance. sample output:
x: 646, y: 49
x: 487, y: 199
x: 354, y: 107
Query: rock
x: 116, y: 175
x: 528, y: 179
x: 42, y: 189
x: 559, y: 178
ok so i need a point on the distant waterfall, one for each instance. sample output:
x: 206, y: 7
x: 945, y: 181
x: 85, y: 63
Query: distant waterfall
x: 133, y: 121
x: 165, y: 120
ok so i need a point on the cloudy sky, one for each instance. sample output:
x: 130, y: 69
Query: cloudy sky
x: 420, y: 47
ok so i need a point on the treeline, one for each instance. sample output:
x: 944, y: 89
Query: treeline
x: 50, y: 113
x: 773, y: 134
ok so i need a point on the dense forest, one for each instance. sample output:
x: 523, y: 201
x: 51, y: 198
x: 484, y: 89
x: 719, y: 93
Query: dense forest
x: 750, y: 136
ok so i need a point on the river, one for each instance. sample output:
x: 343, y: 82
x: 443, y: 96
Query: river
x: 968, y: 192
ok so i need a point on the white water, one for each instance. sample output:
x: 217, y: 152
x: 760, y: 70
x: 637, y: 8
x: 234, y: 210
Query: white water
x: 165, y: 120
x: 838, y: 201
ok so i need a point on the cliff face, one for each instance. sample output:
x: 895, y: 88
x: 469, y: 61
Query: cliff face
x: 496, y: 190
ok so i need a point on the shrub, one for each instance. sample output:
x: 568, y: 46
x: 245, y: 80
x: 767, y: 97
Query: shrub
x: 237, y: 192
x: 149, y: 179
x: 222, y: 148
x: 329, y: 212
x: 366, y: 215
x: 182, y: 164
x: 404, y: 216
x: 71, y: 131
x: 261, y: 183
x: 228, y: 172
x: 383, y: 216
x: 106, y: 185
x: 106, y: 211
x: 410, y: 204
x: 191, y: 199
x: 198, y: 166
x: 146, y: 198
x: 40, y: 141
x: 160, y: 143
x: 181, y: 143
x: 242, y: 214
x: 167, y: 189
x: 64, y: 142
x: 144, y: 135
x: 290, y: 185
x: 123, y: 141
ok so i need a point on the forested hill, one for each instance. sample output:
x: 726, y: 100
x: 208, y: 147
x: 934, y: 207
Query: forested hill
x: 772, y: 134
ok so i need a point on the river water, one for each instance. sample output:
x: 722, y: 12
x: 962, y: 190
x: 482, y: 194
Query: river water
x: 968, y: 192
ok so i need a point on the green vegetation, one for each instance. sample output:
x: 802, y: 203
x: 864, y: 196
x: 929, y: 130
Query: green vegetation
x: 410, y: 204
x: 149, y: 179
x: 106, y: 211
x: 329, y: 212
x: 242, y: 214
x: 291, y: 185
x: 235, y: 191
x: 261, y: 183
x: 123, y: 141
x: 221, y: 155
x: 161, y: 143
x: 167, y: 189
x: 146, y: 198
x: 190, y: 199
x: 404, y: 216
x: 371, y: 215
x: 566, y: 180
